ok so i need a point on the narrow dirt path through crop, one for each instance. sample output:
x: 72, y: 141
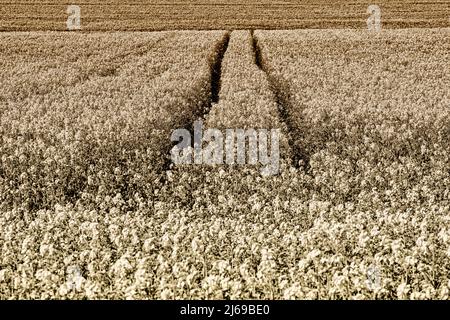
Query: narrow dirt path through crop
x: 215, y: 63
x: 298, y: 153
x: 216, y: 68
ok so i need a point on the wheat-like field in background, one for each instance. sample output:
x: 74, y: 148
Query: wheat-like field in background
x: 26, y: 15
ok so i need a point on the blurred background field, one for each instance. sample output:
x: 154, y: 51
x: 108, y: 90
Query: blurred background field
x: 31, y: 15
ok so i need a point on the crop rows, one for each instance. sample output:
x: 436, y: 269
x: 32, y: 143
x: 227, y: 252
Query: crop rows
x: 373, y: 116
x: 155, y: 15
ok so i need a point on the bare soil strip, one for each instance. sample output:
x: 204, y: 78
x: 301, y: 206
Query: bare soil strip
x: 156, y: 15
x: 298, y: 154
x: 216, y: 71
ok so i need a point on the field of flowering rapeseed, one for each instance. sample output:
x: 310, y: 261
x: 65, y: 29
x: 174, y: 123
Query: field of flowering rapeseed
x: 156, y: 15
x: 92, y: 207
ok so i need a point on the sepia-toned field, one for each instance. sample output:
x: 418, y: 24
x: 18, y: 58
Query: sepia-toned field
x: 26, y: 15
x: 92, y: 207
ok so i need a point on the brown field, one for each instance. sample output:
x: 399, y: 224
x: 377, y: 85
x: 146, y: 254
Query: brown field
x: 17, y: 15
